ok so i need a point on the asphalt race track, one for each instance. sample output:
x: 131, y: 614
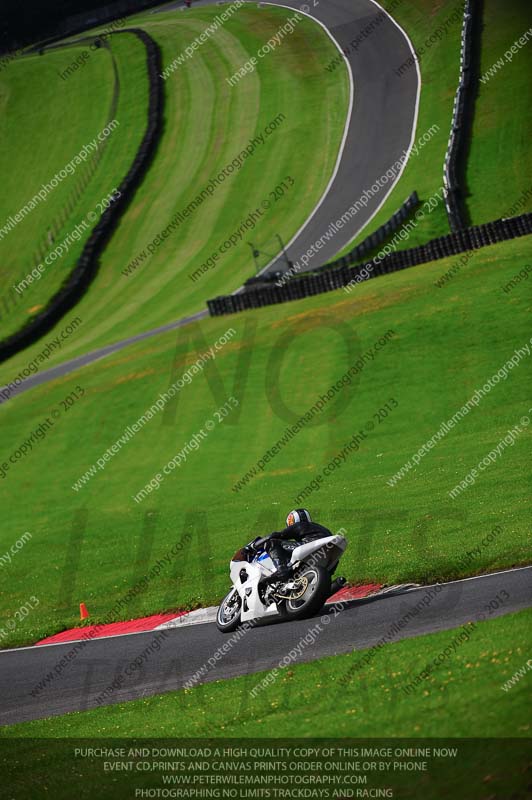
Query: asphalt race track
x: 380, y: 128
x: 358, y: 624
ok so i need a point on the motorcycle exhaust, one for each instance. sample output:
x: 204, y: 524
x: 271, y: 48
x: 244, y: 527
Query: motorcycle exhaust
x: 337, y: 584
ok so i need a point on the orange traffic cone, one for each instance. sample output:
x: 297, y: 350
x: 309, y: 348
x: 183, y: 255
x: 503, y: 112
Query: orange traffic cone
x: 83, y: 613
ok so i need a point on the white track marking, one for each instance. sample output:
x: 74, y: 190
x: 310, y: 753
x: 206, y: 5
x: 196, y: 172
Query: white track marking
x: 198, y: 617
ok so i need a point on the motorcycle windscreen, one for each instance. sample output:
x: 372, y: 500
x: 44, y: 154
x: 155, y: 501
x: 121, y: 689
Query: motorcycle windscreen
x: 265, y: 561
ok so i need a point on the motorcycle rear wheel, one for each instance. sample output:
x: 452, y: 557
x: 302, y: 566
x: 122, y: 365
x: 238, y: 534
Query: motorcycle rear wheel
x: 228, y: 615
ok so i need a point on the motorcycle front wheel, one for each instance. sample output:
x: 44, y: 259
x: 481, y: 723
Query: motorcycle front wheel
x: 228, y: 616
x: 314, y: 587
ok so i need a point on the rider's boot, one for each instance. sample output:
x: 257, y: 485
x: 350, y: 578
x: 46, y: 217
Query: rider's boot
x: 282, y: 573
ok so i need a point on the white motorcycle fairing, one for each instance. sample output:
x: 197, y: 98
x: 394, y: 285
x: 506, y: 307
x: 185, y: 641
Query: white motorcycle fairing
x: 331, y: 550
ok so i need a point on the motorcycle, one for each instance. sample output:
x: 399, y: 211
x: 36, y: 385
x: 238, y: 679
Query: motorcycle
x: 256, y: 594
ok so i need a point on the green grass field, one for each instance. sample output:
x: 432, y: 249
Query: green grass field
x: 207, y: 125
x: 503, y: 114
x: 35, y: 100
x: 463, y: 697
x: 446, y: 343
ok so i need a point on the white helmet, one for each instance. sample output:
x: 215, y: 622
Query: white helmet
x: 298, y: 515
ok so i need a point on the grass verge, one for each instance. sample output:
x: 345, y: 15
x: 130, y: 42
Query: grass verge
x: 37, y: 103
x: 500, y: 155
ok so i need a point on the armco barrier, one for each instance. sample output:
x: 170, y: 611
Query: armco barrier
x: 87, y: 266
x: 334, y: 278
x: 459, y: 133
x: 379, y: 236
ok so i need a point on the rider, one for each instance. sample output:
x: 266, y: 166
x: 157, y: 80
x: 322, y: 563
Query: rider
x: 299, y: 525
